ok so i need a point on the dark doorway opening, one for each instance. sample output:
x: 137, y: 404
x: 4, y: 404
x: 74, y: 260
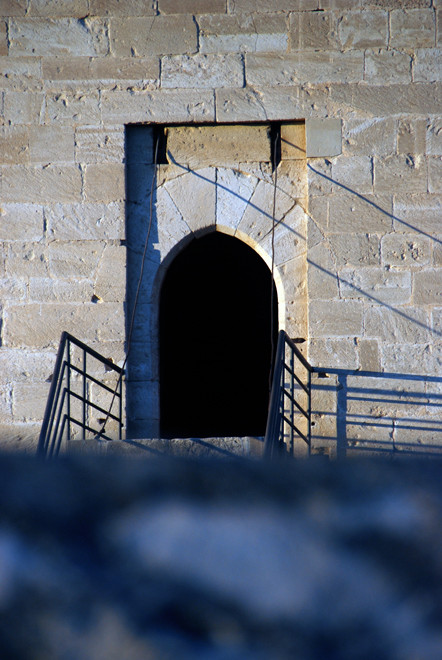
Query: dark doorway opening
x: 215, y: 340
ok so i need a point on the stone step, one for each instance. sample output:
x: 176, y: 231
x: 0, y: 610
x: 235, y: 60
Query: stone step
x: 251, y: 447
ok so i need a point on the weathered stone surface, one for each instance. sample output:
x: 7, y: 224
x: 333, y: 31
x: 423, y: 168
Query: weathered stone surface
x: 387, y: 66
x: 233, y: 192
x: 64, y: 36
x: 422, y: 359
x: 292, y: 179
x: 41, y: 184
x: 110, y: 279
x: 57, y: 290
x: 434, y: 137
x: 411, y: 136
x: 102, y: 69
x: 20, y: 74
x: 156, y: 35
x: 400, y: 4
x: 382, y: 286
x: 194, y: 196
x: 258, y: 104
x: 75, y: 259
x: 70, y: 8
x: 192, y: 6
x: 417, y: 213
x: 29, y: 400
x: 401, y: 174
x: 289, y: 241
x: 427, y: 287
x: 243, y: 33
x: 355, y: 249
x: 406, y: 250
x: 169, y: 105
x: 363, y: 29
x: 322, y: 276
x: 49, y: 144
x: 317, y: 220
x: 427, y: 65
x: 435, y: 175
x: 21, y: 222
x: 293, y: 141
x: 97, y: 145
x: 369, y: 136
x: 5, y: 401
x: 378, y: 100
x: 203, y: 146
x: 350, y: 213
x: 333, y: 353
x: 380, y: 398
x: 40, y: 325
x: 261, y: 6
x: 335, y: 318
x: 369, y: 357
x: 13, y: 290
x: 311, y: 67
x: 397, y: 325
x: 73, y: 108
x: 18, y: 365
x: 25, y: 260
x: 14, y: 145
x: 312, y: 30
x: 202, y: 70
x: 122, y: 7
x: 170, y: 234
x: 85, y: 221
x: 436, y: 317
x: 258, y: 216
x: 412, y: 28
x: 13, y: 7
x: 319, y: 177
x: 354, y: 173
x: 3, y: 39
x: 104, y: 182
x: 323, y: 137
x: 439, y: 27
x: 23, y: 107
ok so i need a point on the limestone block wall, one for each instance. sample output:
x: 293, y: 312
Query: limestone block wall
x: 74, y: 73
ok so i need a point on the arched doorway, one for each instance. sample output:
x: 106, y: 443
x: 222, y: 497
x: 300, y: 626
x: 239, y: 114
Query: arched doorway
x: 215, y: 327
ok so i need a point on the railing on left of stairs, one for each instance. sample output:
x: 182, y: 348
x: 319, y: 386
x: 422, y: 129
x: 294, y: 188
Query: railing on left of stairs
x: 80, y: 402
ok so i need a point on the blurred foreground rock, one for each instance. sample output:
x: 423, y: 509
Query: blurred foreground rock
x: 132, y: 559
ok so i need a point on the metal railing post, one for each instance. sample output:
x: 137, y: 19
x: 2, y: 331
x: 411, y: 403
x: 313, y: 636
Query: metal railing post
x: 280, y: 416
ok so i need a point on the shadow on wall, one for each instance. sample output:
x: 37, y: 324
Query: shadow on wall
x: 373, y: 412
x: 377, y: 413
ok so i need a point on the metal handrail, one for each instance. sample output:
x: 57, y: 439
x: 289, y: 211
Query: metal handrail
x: 58, y: 418
x: 285, y: 408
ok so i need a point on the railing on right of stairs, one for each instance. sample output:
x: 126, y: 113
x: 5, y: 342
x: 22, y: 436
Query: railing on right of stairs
x: 288, y: 431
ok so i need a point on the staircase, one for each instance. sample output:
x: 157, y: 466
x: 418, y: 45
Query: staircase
x: 84, y: 411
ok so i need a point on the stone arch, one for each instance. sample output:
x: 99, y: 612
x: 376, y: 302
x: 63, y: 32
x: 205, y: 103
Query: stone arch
x: 190, y: 203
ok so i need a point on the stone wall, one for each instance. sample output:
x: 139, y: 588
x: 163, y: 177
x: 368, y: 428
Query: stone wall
x: 74, y: 74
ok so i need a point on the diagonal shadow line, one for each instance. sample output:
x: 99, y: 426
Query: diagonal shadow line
x: 243, y: 199
x: 376, y: 206
x: 376, y: 300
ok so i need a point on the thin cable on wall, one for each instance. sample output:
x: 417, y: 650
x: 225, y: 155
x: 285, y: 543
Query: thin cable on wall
x: 275, y: 184
x: 137, y: 293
